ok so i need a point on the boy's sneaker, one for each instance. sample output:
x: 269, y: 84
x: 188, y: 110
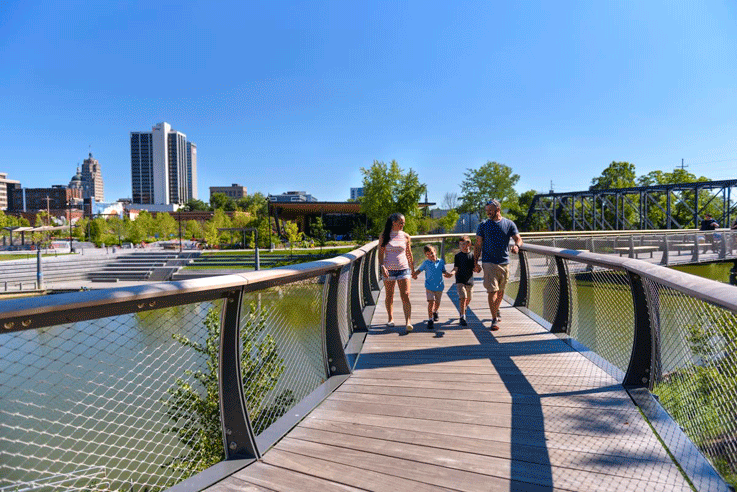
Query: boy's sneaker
x: 494, y: 324
x: 463, y: 321
x: 430, y: 324
x: 435, y: 316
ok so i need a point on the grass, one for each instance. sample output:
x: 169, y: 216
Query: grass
x: 28, y: 256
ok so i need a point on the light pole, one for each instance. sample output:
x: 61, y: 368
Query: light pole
x: 179, y: 215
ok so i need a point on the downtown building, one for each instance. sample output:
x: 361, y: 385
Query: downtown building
x: 163, y: 167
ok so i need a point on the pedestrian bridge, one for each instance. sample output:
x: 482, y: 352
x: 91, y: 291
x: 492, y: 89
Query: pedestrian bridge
x: 609, y: 372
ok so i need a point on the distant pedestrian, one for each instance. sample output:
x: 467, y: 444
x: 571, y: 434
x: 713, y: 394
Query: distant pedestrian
x: 734, y: 226
x: 434, y: 269
x: 396, y: 264
x: 709, y: 224
x: 463, y: 266
x: 492, y: 247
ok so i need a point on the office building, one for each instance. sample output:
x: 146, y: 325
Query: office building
x: 356, y: 193
x: 234, y: 191
x: 57, y: 197
x: 92, y: 185
x: 293, y: 196
x: 6, y: 188
x: 163, y: 166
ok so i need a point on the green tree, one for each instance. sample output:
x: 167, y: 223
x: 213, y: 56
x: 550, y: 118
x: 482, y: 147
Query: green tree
x: 616, y: 175
x: 221, y: 201
x: 492, y: 180
x: 319, y: 232
x: 291, y: 231
x: 195, y: 205
x: 680, y: 211
x: 448, y: 223
x: 193, y: 229
x: 147, y: 224
x: 166, y: 225
x: 194, y: 406
x: 388, y: 189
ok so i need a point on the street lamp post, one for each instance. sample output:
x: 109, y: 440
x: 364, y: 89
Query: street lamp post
x: 179, y: 215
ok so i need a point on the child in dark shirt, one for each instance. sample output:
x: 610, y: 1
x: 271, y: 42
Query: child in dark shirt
x: 463, y: 268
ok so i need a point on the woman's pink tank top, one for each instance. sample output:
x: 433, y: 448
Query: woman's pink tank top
x: 395, y: 257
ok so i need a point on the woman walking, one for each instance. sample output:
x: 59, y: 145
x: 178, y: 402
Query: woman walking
x: 397, y: 265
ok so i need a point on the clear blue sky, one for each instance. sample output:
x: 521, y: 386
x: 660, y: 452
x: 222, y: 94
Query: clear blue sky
x: 300, y: 95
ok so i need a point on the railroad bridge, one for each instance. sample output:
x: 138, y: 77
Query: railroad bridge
x: 610, y: 372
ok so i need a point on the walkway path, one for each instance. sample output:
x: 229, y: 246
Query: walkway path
x: 463, y: 408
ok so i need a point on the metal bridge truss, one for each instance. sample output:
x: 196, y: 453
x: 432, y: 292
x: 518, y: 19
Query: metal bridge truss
x: 671, y: 206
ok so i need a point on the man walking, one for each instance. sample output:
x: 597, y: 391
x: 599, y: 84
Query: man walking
x: 492, y: 244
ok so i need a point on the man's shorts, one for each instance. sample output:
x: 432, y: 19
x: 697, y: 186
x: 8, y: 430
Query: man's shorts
x: 465, y: 291
x: 399, y: 274
x: 434, y: 295
x: 495, y: 276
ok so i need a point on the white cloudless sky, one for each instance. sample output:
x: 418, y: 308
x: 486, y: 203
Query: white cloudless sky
x: 301, y: 95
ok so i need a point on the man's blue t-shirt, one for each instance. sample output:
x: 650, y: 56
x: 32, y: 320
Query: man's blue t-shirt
x: 496, y: 235
x: 433, y: 274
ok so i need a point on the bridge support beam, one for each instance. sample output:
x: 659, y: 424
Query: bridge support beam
x: 523, y: 294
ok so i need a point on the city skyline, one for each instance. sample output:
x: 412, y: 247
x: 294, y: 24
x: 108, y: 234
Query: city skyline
x: 283, y: 96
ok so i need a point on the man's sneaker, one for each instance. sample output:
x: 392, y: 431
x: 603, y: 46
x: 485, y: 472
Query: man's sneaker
x: 494, y: 324
x: 435, y: 316
x: 463, y: 322
x: 430, y: 324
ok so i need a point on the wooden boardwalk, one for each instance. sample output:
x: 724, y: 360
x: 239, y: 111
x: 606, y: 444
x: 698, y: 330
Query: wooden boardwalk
x: 463, y: 408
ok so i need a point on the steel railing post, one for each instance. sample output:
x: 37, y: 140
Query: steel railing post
x: 357, y: 321
x: 562, y: 322
x: 337, y: 361
x: 639, y: 371
x: 238, y: 436
x: 366, y: 268
x: 374, y: 271
x: 664, y: 260
x: 523, y: 294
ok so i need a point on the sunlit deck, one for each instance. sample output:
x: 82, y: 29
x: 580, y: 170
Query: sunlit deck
x: 463, y: 408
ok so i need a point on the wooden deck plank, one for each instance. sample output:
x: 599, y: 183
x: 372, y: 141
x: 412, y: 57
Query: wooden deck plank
x: 282, y: 479
x: 463, y: 408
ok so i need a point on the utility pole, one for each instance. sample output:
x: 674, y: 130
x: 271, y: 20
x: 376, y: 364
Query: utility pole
x: 682, y: 166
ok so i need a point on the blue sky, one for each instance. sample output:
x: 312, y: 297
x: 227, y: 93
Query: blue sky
x: 300, y: 95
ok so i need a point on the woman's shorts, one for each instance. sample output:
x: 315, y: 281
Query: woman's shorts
x: 465, y: 291
x: 399, y: 274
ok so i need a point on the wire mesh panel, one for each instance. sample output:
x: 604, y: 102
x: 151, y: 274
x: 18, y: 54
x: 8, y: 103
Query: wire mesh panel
x: 512, y: 287
x: 282, y: 354
x: 544, y: 286
x: 344, y: 305
x: 115, y: 403
x: 696, y: 380
x: 602, y: 315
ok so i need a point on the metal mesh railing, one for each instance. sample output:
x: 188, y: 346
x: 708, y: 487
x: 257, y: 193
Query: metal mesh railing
x: 117, y: 392
x: 602, y: 318
x: 282, y: 352
x: 696, y: 377
x: 544, y: 286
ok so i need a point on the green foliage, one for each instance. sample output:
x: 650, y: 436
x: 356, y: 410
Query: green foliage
x: 388, y: 189
x: 195, y: 205
x: 194, y: 407
x: 221, y: 201
x: 319, y: 232
x: 492, y: 180
x: 448, y: 223
x: 291, y: 231
x: 616, y: 175
x: 360, y: 233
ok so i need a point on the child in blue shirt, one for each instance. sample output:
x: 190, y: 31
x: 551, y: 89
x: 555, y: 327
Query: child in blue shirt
x: 434, y: 272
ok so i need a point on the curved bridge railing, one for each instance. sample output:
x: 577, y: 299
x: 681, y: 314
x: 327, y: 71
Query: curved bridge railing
x: 669, y: 337
x: 151, y: 385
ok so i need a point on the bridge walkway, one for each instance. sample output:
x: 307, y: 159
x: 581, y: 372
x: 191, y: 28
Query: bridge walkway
x: 464, y: 408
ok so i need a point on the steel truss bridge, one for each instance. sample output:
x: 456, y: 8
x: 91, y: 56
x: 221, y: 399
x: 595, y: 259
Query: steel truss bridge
x: 670, y: 206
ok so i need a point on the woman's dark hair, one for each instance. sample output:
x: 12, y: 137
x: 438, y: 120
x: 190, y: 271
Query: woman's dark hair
x: 388, y: 227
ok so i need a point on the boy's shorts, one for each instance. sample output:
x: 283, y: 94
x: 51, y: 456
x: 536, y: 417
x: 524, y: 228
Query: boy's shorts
x: 465, y: 291
x: 495, y: 276
x: 434, y: 295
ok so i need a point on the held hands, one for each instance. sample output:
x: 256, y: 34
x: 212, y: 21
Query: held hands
x: 447, y: 274
x: 514, y: 249
x: 415, y: 274
x: 477, y: 268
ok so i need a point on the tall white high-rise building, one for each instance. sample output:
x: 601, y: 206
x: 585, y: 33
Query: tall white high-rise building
x: 163, y: 166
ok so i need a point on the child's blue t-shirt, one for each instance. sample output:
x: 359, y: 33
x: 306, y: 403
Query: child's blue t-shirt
x: 433, y: 274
